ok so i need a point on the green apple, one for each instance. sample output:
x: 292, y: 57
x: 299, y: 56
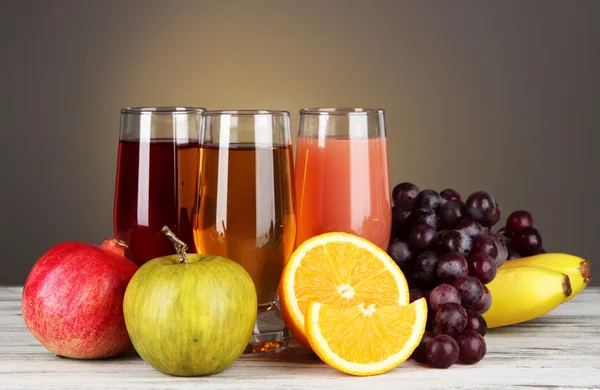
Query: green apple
x: 190, y: 314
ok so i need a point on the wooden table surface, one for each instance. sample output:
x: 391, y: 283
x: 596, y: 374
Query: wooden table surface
x: 559, y: 351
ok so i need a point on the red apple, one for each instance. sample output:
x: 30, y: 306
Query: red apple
x: 73, y: 300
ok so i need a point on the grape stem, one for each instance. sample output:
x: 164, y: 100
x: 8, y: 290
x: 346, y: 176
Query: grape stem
x: 180, y: 246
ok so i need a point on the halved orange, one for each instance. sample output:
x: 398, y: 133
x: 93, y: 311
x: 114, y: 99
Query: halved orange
x: 338, y: 269
x: 364, y: 339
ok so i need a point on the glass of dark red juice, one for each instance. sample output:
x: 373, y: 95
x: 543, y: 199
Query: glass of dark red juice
x: 157, y: 177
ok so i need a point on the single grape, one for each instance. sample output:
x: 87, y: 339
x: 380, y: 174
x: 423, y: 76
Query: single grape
x: 404, y: 194
x: 481, y: 206
x: 451, y: 318
x: 428, y: 199
x: 424, y: 216
x: 469, y: 226
x: 450, y: 213
x: 442, y: 351
x: 517, y: 221
x: 451, y: 266
x: 401, y: 222
x: 471, y: 346
x: 484, y: 303
x: 527, y: 241
x: 422, y: 237
x: 485, y: 245
x: 502, y: 251
x: 450, y: 194
x: 400, y: 252
x: 476, y: 322
x: 416, y: 295
x: 470, y: 290
x: 419, y: 352
x: 456, y: 241
x: 442, y: 294
x: 483, y: 267
x: 425, y: 266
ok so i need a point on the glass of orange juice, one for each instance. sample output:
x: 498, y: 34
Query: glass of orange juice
x: 342, y: 176
x: 246, y: 206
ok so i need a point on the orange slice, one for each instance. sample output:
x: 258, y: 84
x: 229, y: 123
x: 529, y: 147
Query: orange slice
x: 364, y: 339
x: 338, y: 269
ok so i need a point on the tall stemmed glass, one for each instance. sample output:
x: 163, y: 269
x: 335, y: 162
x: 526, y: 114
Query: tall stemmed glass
x: 246, y: 207
x: 342, y: 177
x: 156, y: 183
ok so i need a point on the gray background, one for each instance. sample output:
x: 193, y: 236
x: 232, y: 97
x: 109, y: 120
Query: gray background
x: 501, y: 96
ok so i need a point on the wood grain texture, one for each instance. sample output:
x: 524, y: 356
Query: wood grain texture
x: 558, y: 351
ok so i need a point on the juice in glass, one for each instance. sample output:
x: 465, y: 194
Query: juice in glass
x: 342, y: 176
x: 246, y: 210
x: 151, y: 193
x: 157, y: 177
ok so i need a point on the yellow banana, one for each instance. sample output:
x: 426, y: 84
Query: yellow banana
x: 578, y: 269
x: 521, y: 294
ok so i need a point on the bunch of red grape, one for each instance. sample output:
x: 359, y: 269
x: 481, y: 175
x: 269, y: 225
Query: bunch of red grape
x: 448, y: 253
x: 521, y: 238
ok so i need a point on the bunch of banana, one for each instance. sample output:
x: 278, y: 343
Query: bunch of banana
x: 530, y: 287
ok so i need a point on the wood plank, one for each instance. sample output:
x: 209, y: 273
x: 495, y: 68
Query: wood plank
x: 559, y: 350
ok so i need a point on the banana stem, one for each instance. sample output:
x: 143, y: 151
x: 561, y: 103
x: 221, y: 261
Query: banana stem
x: 566, y: 285
x: 586, y: 270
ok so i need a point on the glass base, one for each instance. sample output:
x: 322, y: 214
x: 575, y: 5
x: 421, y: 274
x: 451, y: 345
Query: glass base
x: 265, y: 347
x: 270, y: 333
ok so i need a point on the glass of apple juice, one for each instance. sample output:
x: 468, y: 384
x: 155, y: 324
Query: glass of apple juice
x: 246, y: 206
x: 342, y: 178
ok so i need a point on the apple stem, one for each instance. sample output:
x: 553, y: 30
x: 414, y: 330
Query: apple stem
x: 180, y: 246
